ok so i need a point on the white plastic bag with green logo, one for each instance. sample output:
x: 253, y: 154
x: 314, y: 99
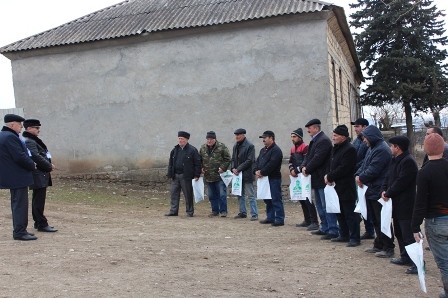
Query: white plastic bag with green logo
x: 295, y: 189
x: 226, y: 177
x: 263, y: 188
x: 305, y: 182
x: 237, y: 184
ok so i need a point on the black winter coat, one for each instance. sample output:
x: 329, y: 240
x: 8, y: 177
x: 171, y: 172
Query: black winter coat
x: 191, y: 162
x: 342, y: 171
x: 317, y: 160
x: 400, y: 185
x: 269, y: 162
x: 40, y: 155
x: 243, y: 159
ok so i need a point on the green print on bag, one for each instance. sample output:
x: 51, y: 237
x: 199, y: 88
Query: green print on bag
x: 297, y: 190
x: 237, y: 182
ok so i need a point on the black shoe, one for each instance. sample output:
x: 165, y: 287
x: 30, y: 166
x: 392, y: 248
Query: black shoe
x: 400, y: 261
x: 339, y: 239
x: 265, y: 221
x: 240, y: 215
x: 47, y: 229
x: 171, y: 214
x: 367, y: 236
x: 26, y: 237
x: 278, y: 224
x: 303, y: 224
x: 189, y: 214
x: 412, y: 270
x: 318, y: 232
x: 353, y: 244
x: 328, y: 237
x: 31, y: 234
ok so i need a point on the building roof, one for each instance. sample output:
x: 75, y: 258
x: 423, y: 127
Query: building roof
x: 135, y: 17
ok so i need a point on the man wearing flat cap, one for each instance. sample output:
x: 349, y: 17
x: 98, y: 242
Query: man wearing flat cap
x: 243, y: 159
x: 341, y: 174
x: 269, y: 163
x: 317, y: 164
x: 184, y: 166
x: 297, y: 155
x: 16, y: 169
x: 400, y: 186
x: 215, y: 161
x: 361, y: 149
x: 41, y: 175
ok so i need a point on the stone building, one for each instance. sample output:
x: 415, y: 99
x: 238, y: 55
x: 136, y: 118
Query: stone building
x: 112, y: 88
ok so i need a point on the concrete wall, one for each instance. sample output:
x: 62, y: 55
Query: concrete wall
x: 118, y: 106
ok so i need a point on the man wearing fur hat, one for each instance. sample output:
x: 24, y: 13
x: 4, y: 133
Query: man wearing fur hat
x: 297, y: 155
x: 184, y: 166
x: 431, y: 204
x: 16, y: 168
x: 41, y: 175
x: 342, y: 171
x: 399, y: 185
x: 215, y: 161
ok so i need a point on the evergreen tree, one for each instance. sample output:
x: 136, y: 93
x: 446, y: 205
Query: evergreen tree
x: 399, y: 44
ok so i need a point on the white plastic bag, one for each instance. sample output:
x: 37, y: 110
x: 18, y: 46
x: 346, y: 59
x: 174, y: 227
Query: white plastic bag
x: 331, y: 199
x: 198, y: 189
x: 237, y: 184
x: 226, y: 177
x: 415, y: 252
x: 263, y: 189
x: 386, y: 217
x: 305, y: 182
x: 295, y: 188
x: 361, y: 205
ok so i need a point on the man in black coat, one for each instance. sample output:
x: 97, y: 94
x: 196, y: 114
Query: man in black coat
x: 41, y: 175
x: 317, y: 164
x: 184, y: 166
x: 243, y: 160
x: 400, y: 186
x: 342, y: 171
x: 16, y: 168
x: 269, y: 163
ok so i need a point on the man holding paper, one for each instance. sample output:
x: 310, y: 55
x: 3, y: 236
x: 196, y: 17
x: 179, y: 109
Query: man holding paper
x: 342, y: 171
x: 215, y: 161
x: 399, y: 185
x: 243, y: 159
x: 269, y: 163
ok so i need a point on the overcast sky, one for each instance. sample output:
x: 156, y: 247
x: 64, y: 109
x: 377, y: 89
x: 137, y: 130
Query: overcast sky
x: 23, y: 18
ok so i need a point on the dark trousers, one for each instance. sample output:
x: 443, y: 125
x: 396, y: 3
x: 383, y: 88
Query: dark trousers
x: 275, y: 211
x: 178, y: 184
x: 309, y: 212
x: 38, y: 206
x: 349, y: 221
x: 19, y: 208
x: 403, y: 232
x: 381, y: 240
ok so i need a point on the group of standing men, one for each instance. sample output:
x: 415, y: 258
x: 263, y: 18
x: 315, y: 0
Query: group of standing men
x: 25, y: 163
x: 388, y: 171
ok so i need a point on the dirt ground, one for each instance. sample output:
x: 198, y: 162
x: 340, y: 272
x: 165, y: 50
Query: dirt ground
x: 113, y: 241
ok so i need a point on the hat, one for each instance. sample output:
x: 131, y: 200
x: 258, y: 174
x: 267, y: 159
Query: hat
x: 433, y: 144
x: 240, y: 131
x: 298, y: 132
x: 211, y: 135
x: 267, y: 133
x: 360, y: 121
x: 400, y: 141
x: 341, y: 130
x: 31, y: 122
x: 313, y: 122
x: 13, y: 118
x: 183, y: 134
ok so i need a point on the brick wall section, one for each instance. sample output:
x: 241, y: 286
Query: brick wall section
x: 341, y: 68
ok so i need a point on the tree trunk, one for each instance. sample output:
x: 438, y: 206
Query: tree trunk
x: 436, y: 116
x: 409, y: 126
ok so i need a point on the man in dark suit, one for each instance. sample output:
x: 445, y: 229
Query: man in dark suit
x: 316, y: 164
x: 16, y: 168
x: 41, y: 175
